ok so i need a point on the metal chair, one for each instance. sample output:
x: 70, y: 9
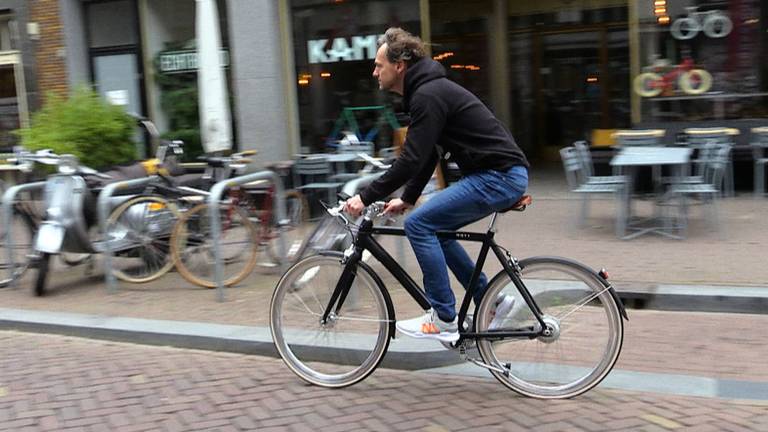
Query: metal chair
x: 360, y: 147
x: 708, y: 189
x: 699, y: 137
x: 585, y: 157
x: 759, y: 149
x: 365, y: 147
x: 313, y: 173
x: 575, y: 176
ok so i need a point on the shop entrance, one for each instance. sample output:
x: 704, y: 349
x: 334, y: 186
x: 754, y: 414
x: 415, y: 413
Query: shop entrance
x: 581, y: 78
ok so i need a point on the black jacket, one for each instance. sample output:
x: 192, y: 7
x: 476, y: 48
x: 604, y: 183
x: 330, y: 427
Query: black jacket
x: 446, y: 119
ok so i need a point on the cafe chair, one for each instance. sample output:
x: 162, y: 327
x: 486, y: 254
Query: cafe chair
x: 577, y: 183
x: 312, y: 174
x: 759, y: 149
x: 707, y: 190
x: 587, y: 167
x: 365, y: 147
x: 697, y: 138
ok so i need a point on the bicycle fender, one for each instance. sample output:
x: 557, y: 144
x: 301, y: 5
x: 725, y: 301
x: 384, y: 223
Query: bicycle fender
x: 380, y: 284
x: 580, y: 266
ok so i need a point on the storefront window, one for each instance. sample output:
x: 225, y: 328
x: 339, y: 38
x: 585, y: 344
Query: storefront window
x: 700, y: 60
x: 13, y: 108
x: 566, y: 71
x: 334, y: 45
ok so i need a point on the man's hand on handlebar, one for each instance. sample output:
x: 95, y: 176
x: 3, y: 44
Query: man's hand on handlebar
x: 396, y: 206
x: 354, y: 206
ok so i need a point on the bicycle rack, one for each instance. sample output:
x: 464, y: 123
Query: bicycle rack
x: 103, y: 208
x: 9, y: 198
x: 213, y: 210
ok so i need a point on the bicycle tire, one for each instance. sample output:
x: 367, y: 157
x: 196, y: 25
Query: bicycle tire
x: 348, y: 349
x: 21, y: 223
x: 294, y: 232
x: 43, y: 268
x: 193, y: 255
x: 146, y: 221
x: 586, y: 324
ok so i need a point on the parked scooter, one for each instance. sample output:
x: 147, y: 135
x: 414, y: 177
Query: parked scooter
x: 138, y: 228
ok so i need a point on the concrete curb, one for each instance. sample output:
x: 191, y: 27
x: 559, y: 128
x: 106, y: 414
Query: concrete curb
x: 698, y: 298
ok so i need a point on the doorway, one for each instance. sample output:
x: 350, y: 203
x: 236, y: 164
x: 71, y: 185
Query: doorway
x: 581, y: 80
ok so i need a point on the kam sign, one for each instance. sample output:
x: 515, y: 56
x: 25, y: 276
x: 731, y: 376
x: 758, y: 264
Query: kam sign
x: 342, y: 49
x: 185, y: 61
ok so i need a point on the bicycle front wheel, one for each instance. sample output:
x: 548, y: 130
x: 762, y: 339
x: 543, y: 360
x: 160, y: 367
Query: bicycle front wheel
x: 583, y: 337
x: 351, y: 344
x: 140, y: 231
x: 192, y: 245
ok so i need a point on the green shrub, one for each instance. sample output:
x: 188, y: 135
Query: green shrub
x: 84, y: 125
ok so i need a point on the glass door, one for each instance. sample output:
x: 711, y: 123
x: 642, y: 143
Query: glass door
x: 570, y: 87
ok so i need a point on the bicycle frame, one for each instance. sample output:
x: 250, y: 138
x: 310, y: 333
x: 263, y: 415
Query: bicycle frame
x: 365, y: 241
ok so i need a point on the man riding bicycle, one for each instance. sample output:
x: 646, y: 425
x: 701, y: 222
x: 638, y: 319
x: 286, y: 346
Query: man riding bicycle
x: 447, y: 121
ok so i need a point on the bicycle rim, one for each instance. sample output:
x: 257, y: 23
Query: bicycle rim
x: 351, y: 345
x: 140, y: 230
x: 585, y: 322
x: 192, y: 246
x: 293, y: 233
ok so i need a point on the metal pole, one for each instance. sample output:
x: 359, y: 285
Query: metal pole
x: 217, y: 191
x: 9, y: 197
x: 104, y: 208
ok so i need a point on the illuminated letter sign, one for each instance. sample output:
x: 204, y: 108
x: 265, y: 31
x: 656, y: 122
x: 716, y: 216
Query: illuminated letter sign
x: 360, y: 48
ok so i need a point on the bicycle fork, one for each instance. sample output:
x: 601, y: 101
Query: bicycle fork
x: 343, y: 287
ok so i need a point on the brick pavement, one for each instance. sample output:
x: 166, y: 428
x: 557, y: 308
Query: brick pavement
x: 67, y: 384
x: 687, y: 343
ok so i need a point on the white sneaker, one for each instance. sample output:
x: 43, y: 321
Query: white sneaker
x: 430, y: 326
x: 504, y: 305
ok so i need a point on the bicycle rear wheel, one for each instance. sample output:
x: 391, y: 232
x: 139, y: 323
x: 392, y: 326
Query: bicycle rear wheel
x: 351, y: 344
x: 581, y: 314
x: 192, y: 245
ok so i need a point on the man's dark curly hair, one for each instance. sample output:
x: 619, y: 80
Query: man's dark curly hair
x: 402, y: 46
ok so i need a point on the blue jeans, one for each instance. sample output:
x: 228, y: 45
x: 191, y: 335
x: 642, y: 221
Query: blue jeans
x: 470, y: 199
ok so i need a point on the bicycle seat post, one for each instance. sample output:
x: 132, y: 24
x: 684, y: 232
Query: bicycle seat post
x: 492, y: 225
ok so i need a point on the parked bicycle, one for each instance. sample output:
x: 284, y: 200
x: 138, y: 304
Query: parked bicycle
x: 249, y: 225
x: 332, y: 317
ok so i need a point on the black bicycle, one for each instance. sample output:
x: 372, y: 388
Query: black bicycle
x: 332, y: 318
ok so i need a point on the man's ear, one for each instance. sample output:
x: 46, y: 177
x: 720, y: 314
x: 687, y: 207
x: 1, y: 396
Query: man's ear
x: 401, y: 67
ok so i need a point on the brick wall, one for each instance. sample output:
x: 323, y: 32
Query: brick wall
x: 50, y: 49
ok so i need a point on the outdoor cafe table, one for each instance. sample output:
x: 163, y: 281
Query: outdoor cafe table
x: 628, y: 159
